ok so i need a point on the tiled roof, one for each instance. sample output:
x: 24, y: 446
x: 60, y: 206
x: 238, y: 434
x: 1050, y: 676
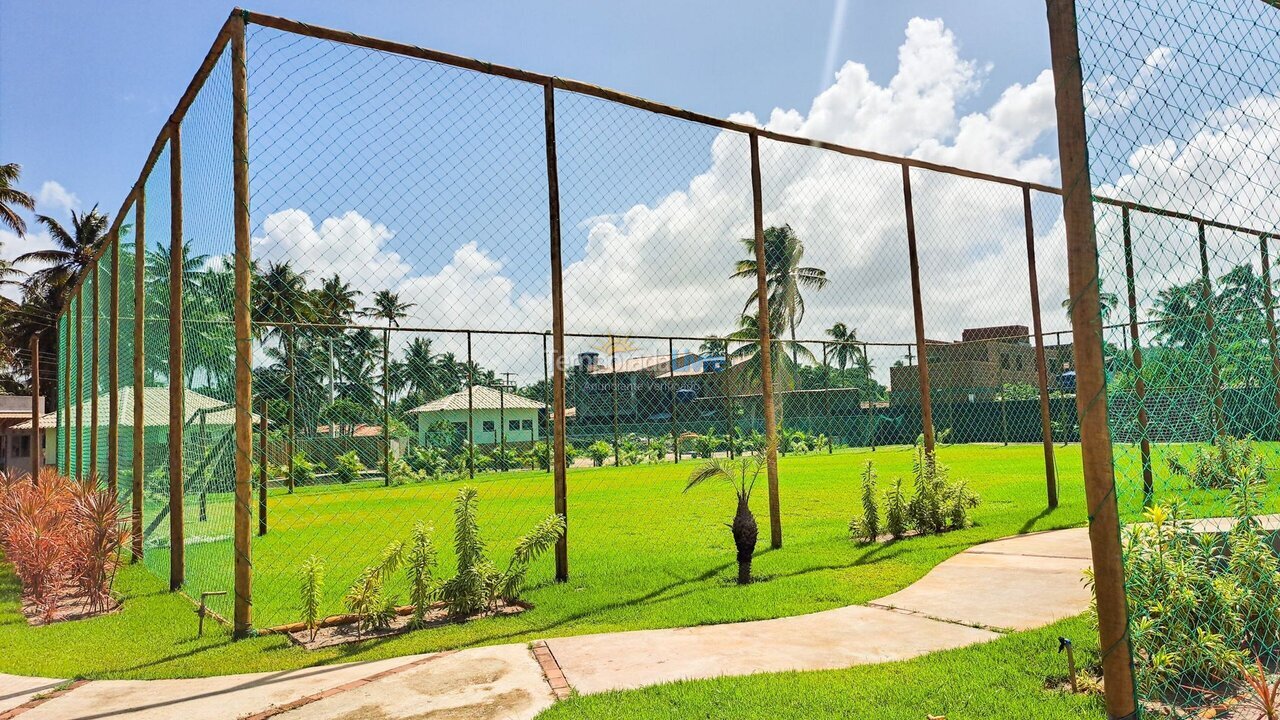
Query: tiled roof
x: 483, y: 398
x: 155, y: 409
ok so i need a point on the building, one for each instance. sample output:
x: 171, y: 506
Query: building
x: 976, y: 368
x: 644, y: 388
x: 208, y: 421
x: 494, y: 417
x: 15, y: 443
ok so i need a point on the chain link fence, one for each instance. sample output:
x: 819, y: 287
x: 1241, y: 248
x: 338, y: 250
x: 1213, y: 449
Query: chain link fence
x: 1180, y: 102
x: 432, y: 247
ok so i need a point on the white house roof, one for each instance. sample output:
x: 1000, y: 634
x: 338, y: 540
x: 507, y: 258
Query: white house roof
x: 155, y: 409
x: 482, y: 398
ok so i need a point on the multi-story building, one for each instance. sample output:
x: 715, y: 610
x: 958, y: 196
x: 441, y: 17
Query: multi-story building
x: 979, y: 365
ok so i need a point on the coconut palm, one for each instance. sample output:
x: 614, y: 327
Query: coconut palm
x: 785, y: 277
x: 846, y: 349
x: 73, y: 249
x: 11, y: 197
x: 387, y: 306
x: 280, y: 297
x: 335, y: 301
x: 428, y: 375
x: 740, y: 474
x: 1107, y: 303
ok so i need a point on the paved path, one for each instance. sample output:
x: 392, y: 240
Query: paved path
x: 1013, y: 584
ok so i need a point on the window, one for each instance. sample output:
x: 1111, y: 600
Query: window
x: 460, y: 429
x: 1004, y: 362
x: 526, y: 424
x: 513, y: 424
x: 487, y: 426
x: 24, y: 446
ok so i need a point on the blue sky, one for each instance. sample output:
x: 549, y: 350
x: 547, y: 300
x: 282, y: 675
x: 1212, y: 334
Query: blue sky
x: 85, y: 86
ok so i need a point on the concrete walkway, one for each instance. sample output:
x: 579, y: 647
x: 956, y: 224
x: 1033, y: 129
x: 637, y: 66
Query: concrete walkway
x: 1013, y: 584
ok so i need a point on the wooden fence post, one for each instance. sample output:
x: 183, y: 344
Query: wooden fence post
x: 292, y: 429
x: 264, y: 428
x: 243, y: 608
x: 94, y: 370
x: 1215, y: 379
x: 471, y: 409
x: 177, y: 374
x: 1091, y: 396
x: 917, y: 308
x: 113, y: 372
x: 766, y: 359
x: 36, y: 433
x: 139, y: 367
x: 1140, y: 384
x: 386, y: 407
x: 1042, y: 367
x: 1269, y: 303
x: 557, y: 327
x: 671, y: 395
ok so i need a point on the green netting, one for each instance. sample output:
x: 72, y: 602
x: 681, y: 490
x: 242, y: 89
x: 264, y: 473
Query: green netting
x: 155, y: 222
x: 63, y: 393
x: 126, y: 352
x: 1182, y: 115
x: 104, y: 277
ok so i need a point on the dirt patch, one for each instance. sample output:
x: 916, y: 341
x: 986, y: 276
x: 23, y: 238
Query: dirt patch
x: 69, y: 603
x: 349, y: 632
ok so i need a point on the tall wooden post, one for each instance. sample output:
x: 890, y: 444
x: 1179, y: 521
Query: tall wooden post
x: 671, y: 395
x: 264, y: 429
x: 113, y: 372
x: 1140, y: 384
x: 386, y: 407
x: 37, y: 453
x: 546, y: 401
x: 1042, y: 368
x: 292, y: 429
x: 139, y: 367
x: 1215, y: 379
x: 613, y: 363
x: 826, y: 399
x: 177, y: 374
x: 1269, y: 303
x: 94, y: 370
x: 557, y: 327
x: 1091, y: 395
x: 917, y: 308
x: 731, y: 420
x: 471, y: 409
x: 79, y: 474
x: 766, y: 351
x: 244, y: 341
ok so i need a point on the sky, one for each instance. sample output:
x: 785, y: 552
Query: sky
x: 430, y: 181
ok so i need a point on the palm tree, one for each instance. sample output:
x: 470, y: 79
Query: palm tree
x: 714, y: 347
x: 745, y: 373
x: 335, y: 301
x: 785, y: 277
x: 846, y: 349
x: 387, y: 306
x: 74, y: 251
x: 739, y: 474
x: 11, y: 196
x: 1107, y: 303
x: 281, y: 298
x: 427, y: 375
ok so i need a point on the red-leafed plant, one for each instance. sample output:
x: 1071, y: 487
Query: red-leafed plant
x: 62, y: 537
x: 1263, y: 695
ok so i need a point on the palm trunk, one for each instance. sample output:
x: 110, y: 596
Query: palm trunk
x: 745, y: 533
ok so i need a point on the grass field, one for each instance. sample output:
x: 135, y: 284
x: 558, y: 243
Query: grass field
x: 642, y: 555
x: 1001, y: 680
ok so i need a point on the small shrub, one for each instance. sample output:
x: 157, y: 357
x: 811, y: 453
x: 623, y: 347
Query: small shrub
x: 895, y: 514
x: 426, y: 459
x: 599, y: 451
x: 478, y: 584
x: 304, y: 471
x: 741, y: 475
x: 1219, y: 466
x: 310, y: 591
x: 867, y: 528
x: 505, y: 459
x: 655, y: 450
x: 420, y: 567
x: 629, y: 450
x: 538, y: 457
x: 706, y: 444
x: 348, y: 467
x: 367, y: 598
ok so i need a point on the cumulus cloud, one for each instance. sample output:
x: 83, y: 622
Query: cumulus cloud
x: 662, y: 266
x: 54, y: 199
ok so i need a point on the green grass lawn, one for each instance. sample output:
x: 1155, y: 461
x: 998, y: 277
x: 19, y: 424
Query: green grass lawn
x: 1000, y: 680
x: 642, y: 555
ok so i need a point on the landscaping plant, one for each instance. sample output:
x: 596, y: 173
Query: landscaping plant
x: 348, y: 467
x: 740, y: 474
x: 310, y: 591
x: 1218, y: 466
x: 867, y: 527
x: 367, y: 598
x: 599, y: 451
x: 304, y: 472
x: 478, y: 585
x: 706, y: 444
x: 420, y: 566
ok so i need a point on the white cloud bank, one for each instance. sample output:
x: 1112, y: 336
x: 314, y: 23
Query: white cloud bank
x: 663, y: 267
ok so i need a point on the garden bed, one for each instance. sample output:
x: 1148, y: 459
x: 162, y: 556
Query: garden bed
x: 69, y: 603
x: 344, y: 629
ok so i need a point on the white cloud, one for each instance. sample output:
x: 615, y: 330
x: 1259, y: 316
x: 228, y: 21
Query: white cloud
x: 1112, y: 95
x: 663, y: 267
x: 54, y: 199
